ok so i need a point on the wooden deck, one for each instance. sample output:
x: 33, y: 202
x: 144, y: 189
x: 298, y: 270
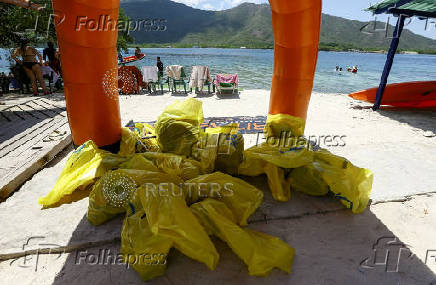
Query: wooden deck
x: 31, y: 134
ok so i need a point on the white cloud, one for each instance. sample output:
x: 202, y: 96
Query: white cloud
x: 217, y: 5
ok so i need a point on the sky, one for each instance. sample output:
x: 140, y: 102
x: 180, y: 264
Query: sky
x: 350, y: 9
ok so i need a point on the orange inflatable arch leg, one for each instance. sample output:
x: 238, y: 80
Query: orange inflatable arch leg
x: 297, y: 26
x: 87, y: 37
x: 87, y: 44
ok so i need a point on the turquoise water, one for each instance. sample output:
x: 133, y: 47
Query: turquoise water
x: 254, y: 67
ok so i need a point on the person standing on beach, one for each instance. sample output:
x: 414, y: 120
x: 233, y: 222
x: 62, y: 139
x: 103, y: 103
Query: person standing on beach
x: 30, y: 64
x: 160, y: 66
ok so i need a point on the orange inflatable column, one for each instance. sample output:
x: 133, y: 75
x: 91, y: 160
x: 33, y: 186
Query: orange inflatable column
x: 296, y: 35
x: 87, y: 38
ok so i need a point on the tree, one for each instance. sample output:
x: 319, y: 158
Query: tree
x: 38, y: 26
x: 19, y: 22
x: 124, y: 38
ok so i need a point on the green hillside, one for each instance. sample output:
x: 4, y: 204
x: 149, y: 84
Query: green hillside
x: 249, y: 25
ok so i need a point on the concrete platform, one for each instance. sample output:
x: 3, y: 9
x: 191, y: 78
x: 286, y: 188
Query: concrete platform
x: 332, y: 245
x: 33, y: 130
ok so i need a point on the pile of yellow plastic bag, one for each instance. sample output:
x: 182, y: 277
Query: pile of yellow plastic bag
x: 175, y: 186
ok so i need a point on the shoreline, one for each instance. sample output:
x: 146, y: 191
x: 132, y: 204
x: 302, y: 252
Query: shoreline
x: 165, y: 46
x: 410, y: 52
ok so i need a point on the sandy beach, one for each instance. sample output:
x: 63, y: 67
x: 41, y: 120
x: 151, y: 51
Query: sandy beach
x: 397, y: 145
x: 402, y: 141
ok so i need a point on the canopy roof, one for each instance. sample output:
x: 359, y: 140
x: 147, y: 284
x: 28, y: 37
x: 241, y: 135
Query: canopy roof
x: 420, y: 8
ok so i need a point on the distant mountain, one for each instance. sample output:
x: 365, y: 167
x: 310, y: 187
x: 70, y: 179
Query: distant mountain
x: 249, y: 25
x: 338, y: 30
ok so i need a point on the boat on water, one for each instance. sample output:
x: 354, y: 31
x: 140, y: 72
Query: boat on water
x: 418, y: 94
x: 130, y: 59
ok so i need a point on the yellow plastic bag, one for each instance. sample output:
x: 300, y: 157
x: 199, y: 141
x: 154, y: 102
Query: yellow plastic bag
x: 285, y: 146
x: 174, y: 164
x: 328, y: 172
x: 139, y: 162
x: 277, y: 125
x: 141, y: 139
x: 220, y: 149
x: 83, y: 167
x: 308, y: 180
x: 261, y: 252
x: 128, y: 142
x: 351, y: 184
x: 273, y: 161
x: 142, y: 250
x: 178, y: 127
x: 110, y: 196
x: 242, y: 198
x: 147, y: 138
x: 169, y: 216
x: 284, y: 157
x: 278, y: 183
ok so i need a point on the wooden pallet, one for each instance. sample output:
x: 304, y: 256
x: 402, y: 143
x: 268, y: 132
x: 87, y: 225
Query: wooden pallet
x: 31, y: 134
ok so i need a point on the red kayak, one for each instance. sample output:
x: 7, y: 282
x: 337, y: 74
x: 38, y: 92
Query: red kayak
x: 133, y: 58
x: 419, y: 94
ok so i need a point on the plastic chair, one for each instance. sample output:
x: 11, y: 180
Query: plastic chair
x: 226, y: 82
x: 200, y: 76
x: 173, y: 81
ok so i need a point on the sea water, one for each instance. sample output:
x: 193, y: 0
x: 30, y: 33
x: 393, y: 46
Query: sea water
x: 255, y: 67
